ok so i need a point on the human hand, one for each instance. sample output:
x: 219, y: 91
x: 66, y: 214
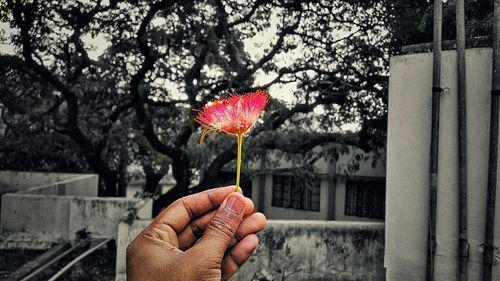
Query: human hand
x: 204, y: 236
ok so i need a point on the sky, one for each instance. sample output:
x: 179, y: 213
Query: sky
x: 5, y: 48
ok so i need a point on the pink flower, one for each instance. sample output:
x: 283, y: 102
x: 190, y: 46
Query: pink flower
x: 235, y: 115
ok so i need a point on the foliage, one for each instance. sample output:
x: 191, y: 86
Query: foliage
x: 412, y: 20
x: 131, y: 216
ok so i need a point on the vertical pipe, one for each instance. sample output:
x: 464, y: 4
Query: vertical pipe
x: 463, y: 247
x: 262, y: 183
x: 433, y: 169
x: 493, y: 153
x: 332, y: 188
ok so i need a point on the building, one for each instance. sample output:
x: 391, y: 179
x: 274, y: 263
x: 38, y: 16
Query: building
x: 333, y: 192
x: 408, y: 153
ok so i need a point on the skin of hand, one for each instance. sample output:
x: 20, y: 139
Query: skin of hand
x: 204, y: 236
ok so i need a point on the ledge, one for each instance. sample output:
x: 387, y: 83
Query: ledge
x: 476, y: 42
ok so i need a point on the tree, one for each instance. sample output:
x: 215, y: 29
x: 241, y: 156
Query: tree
x: 166, y: 58
x: 412, y: 21
x: 345, y: 74
x: 59, y: 61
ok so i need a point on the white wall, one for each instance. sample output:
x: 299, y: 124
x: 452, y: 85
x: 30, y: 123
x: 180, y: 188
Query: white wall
x: 78, y: 185
x: 85, y: 186
x: 408, y: 164
x: 101, y: 216
x: 126, y: 233
x: 24, y: 180
x: 44, y: 217
x: 51, y: 217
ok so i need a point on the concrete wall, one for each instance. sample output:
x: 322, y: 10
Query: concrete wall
x: 318, y: 251
x: 23, y: 180
x: 42, y: 183
x: 50, y: 217
x: 84, y: 185
x: 101, y: 216
x: 43, y: 218
x: 49, y: 207
x: 126, y: 233
x: 408, y: 164
x: 344, y: 251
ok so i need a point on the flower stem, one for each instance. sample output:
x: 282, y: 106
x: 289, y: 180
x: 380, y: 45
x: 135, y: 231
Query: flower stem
x: 238, y: 161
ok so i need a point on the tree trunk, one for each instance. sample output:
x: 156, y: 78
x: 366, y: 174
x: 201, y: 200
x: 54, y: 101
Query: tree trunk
x: 207, y: 182
x: 154, y: 177
x: 122, y: 180
x: 152, y: 183
x: 108, y: 183
x: 182, y: 176
x: 212, y: 172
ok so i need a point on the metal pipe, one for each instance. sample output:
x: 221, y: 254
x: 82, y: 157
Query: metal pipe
x: 77, y: 259
x: 493, y: 149
x: 433, y: 169
x: 32, y: 275
x: 463, y: 246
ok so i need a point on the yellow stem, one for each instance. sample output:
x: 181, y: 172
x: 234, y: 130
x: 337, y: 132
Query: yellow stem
x: 238, y: 161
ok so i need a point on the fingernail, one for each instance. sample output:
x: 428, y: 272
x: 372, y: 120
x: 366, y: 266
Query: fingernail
x: 235, y: 204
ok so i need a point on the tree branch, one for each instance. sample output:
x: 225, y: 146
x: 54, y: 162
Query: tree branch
x: 140, y: 97
x: 298, y: 143
x: 247, y: 17
x: 277, y: 46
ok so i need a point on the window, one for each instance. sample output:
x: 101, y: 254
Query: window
x: 295, y: 193
x: 365, y: 198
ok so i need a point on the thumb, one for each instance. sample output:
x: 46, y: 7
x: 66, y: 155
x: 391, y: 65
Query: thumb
x: 222, y: 227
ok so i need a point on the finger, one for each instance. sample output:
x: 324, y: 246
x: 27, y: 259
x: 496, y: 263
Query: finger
x: 194, y: 230
x: 249, y: 207
x: 189, y: 235
x: 180, y: 213
x: 250, y: 225
x: 238, y: 255
x: 221, y: 229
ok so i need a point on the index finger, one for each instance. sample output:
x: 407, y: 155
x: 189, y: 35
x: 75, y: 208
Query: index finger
x: 180, y: 213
